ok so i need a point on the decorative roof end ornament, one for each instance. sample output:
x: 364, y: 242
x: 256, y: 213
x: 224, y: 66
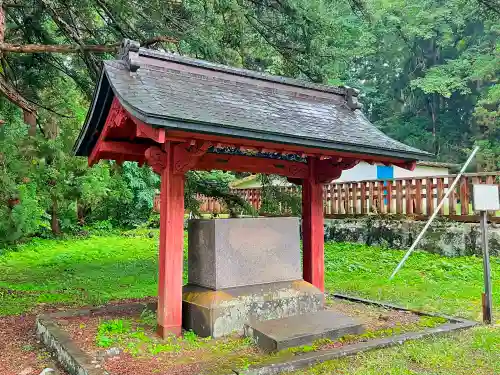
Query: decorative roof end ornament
x: 351, y: 99
x: 129, y: 52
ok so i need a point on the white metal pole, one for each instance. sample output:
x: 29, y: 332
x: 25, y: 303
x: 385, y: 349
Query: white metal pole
x: 487, y: 298
x: 429, y: 222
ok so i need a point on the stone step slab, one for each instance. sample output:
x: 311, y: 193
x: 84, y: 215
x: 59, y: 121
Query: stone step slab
x: 278, y: 334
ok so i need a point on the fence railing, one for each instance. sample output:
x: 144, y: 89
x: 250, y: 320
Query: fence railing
x: 252, y: 196
x: 412, y: 196
x: 415, y: 196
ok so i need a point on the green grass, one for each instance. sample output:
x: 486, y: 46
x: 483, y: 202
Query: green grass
x: 475, y: 351
x: 427, y: 281
x: 95, y: 270
x: 98, y: 269
x: 77, y: 272
x: 137, y: 337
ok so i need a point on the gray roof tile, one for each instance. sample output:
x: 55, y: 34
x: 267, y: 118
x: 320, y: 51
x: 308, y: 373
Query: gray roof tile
x: 178, y: 92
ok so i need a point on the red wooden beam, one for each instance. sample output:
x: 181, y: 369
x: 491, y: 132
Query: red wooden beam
x: 410, y: 165
x: 331, y: 169
x: 287, y: 148
x: 240, y: 163
x: 143, y: 130
x: 115, y: 123
x: 312, y: 229
x: 169, y: 313
x: 121, y: 151
x: 125, y: 148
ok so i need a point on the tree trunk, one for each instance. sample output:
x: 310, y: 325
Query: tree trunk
x: 30, y: 119
x: 80, y: 213
x: 433, y: 109
x: 54, y: 221
x: 2, y: 22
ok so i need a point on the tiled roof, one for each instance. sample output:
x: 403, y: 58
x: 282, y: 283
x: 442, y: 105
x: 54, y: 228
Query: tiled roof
x: 437, y: 164
x: 193, y: 95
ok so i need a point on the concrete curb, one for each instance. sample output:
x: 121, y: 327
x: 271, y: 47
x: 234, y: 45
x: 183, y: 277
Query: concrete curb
x: 397, y: 307
x: 74, y: 360
x: 71, y: 357
x: 310, y: 359
x: 77, y: 362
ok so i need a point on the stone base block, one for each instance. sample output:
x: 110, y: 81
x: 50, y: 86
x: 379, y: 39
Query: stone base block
x: 278, y: 334
x: 218, y: 313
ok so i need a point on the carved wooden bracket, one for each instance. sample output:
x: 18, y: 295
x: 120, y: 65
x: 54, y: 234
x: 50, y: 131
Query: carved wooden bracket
x: 297, y: 170
x: 187, y: 154
x: 331, y: 169
x: 156, y: 158
x: 143, y: 130
x: 117, y: 117
x: 410, y: 165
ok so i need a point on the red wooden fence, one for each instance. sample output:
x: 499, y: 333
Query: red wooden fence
x: 416, y: 197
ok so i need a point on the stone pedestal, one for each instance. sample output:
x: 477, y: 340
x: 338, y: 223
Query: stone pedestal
x: 218, y: 313
x: 243, y: 270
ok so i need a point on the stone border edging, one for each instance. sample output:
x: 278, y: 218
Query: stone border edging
x: 73, y: 359
x: 401, y: 308
x: 77, y: 362
x: 70, y: 357
x: 309, y: 359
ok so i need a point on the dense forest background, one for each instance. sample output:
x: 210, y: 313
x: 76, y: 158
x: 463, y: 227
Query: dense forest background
x: 427, y: 71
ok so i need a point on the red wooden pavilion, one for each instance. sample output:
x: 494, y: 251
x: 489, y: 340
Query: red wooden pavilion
x: 179, y: 114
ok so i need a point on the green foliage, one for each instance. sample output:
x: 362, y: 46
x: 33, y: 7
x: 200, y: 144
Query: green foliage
x: 148, y: 318
x: 213, y: 184
x: 276, y: 199
x: 108, y: 329
x: 427, y: 71
x: 427, y: 282
x: 191, y: 339
x: 138, y: 337
x: 129, y: 195
x: 94, y: 270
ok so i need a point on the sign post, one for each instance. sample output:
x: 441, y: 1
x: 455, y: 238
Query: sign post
x: 485, y: 199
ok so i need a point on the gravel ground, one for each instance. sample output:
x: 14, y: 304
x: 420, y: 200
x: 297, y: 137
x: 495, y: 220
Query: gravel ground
x: 373, y: 317
x: 20, y: 352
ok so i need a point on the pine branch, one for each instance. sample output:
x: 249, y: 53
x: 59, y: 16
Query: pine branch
x: 58, y: 48
x: 102, y: 4
x: 74, y: 48
x: 89, y: 60
x: 158, y: 39
x: 493, y: 5
x: 14, y: 96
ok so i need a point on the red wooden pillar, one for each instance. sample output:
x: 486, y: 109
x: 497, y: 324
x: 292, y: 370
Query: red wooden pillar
x: 169, y: 314
x: 312, y: 229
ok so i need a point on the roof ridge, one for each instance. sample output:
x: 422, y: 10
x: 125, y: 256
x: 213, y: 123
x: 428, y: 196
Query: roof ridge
x: 186, y: 60
x: 130, y: 51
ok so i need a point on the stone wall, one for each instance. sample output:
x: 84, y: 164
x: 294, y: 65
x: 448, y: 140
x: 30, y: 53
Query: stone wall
x: 443, y: 237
